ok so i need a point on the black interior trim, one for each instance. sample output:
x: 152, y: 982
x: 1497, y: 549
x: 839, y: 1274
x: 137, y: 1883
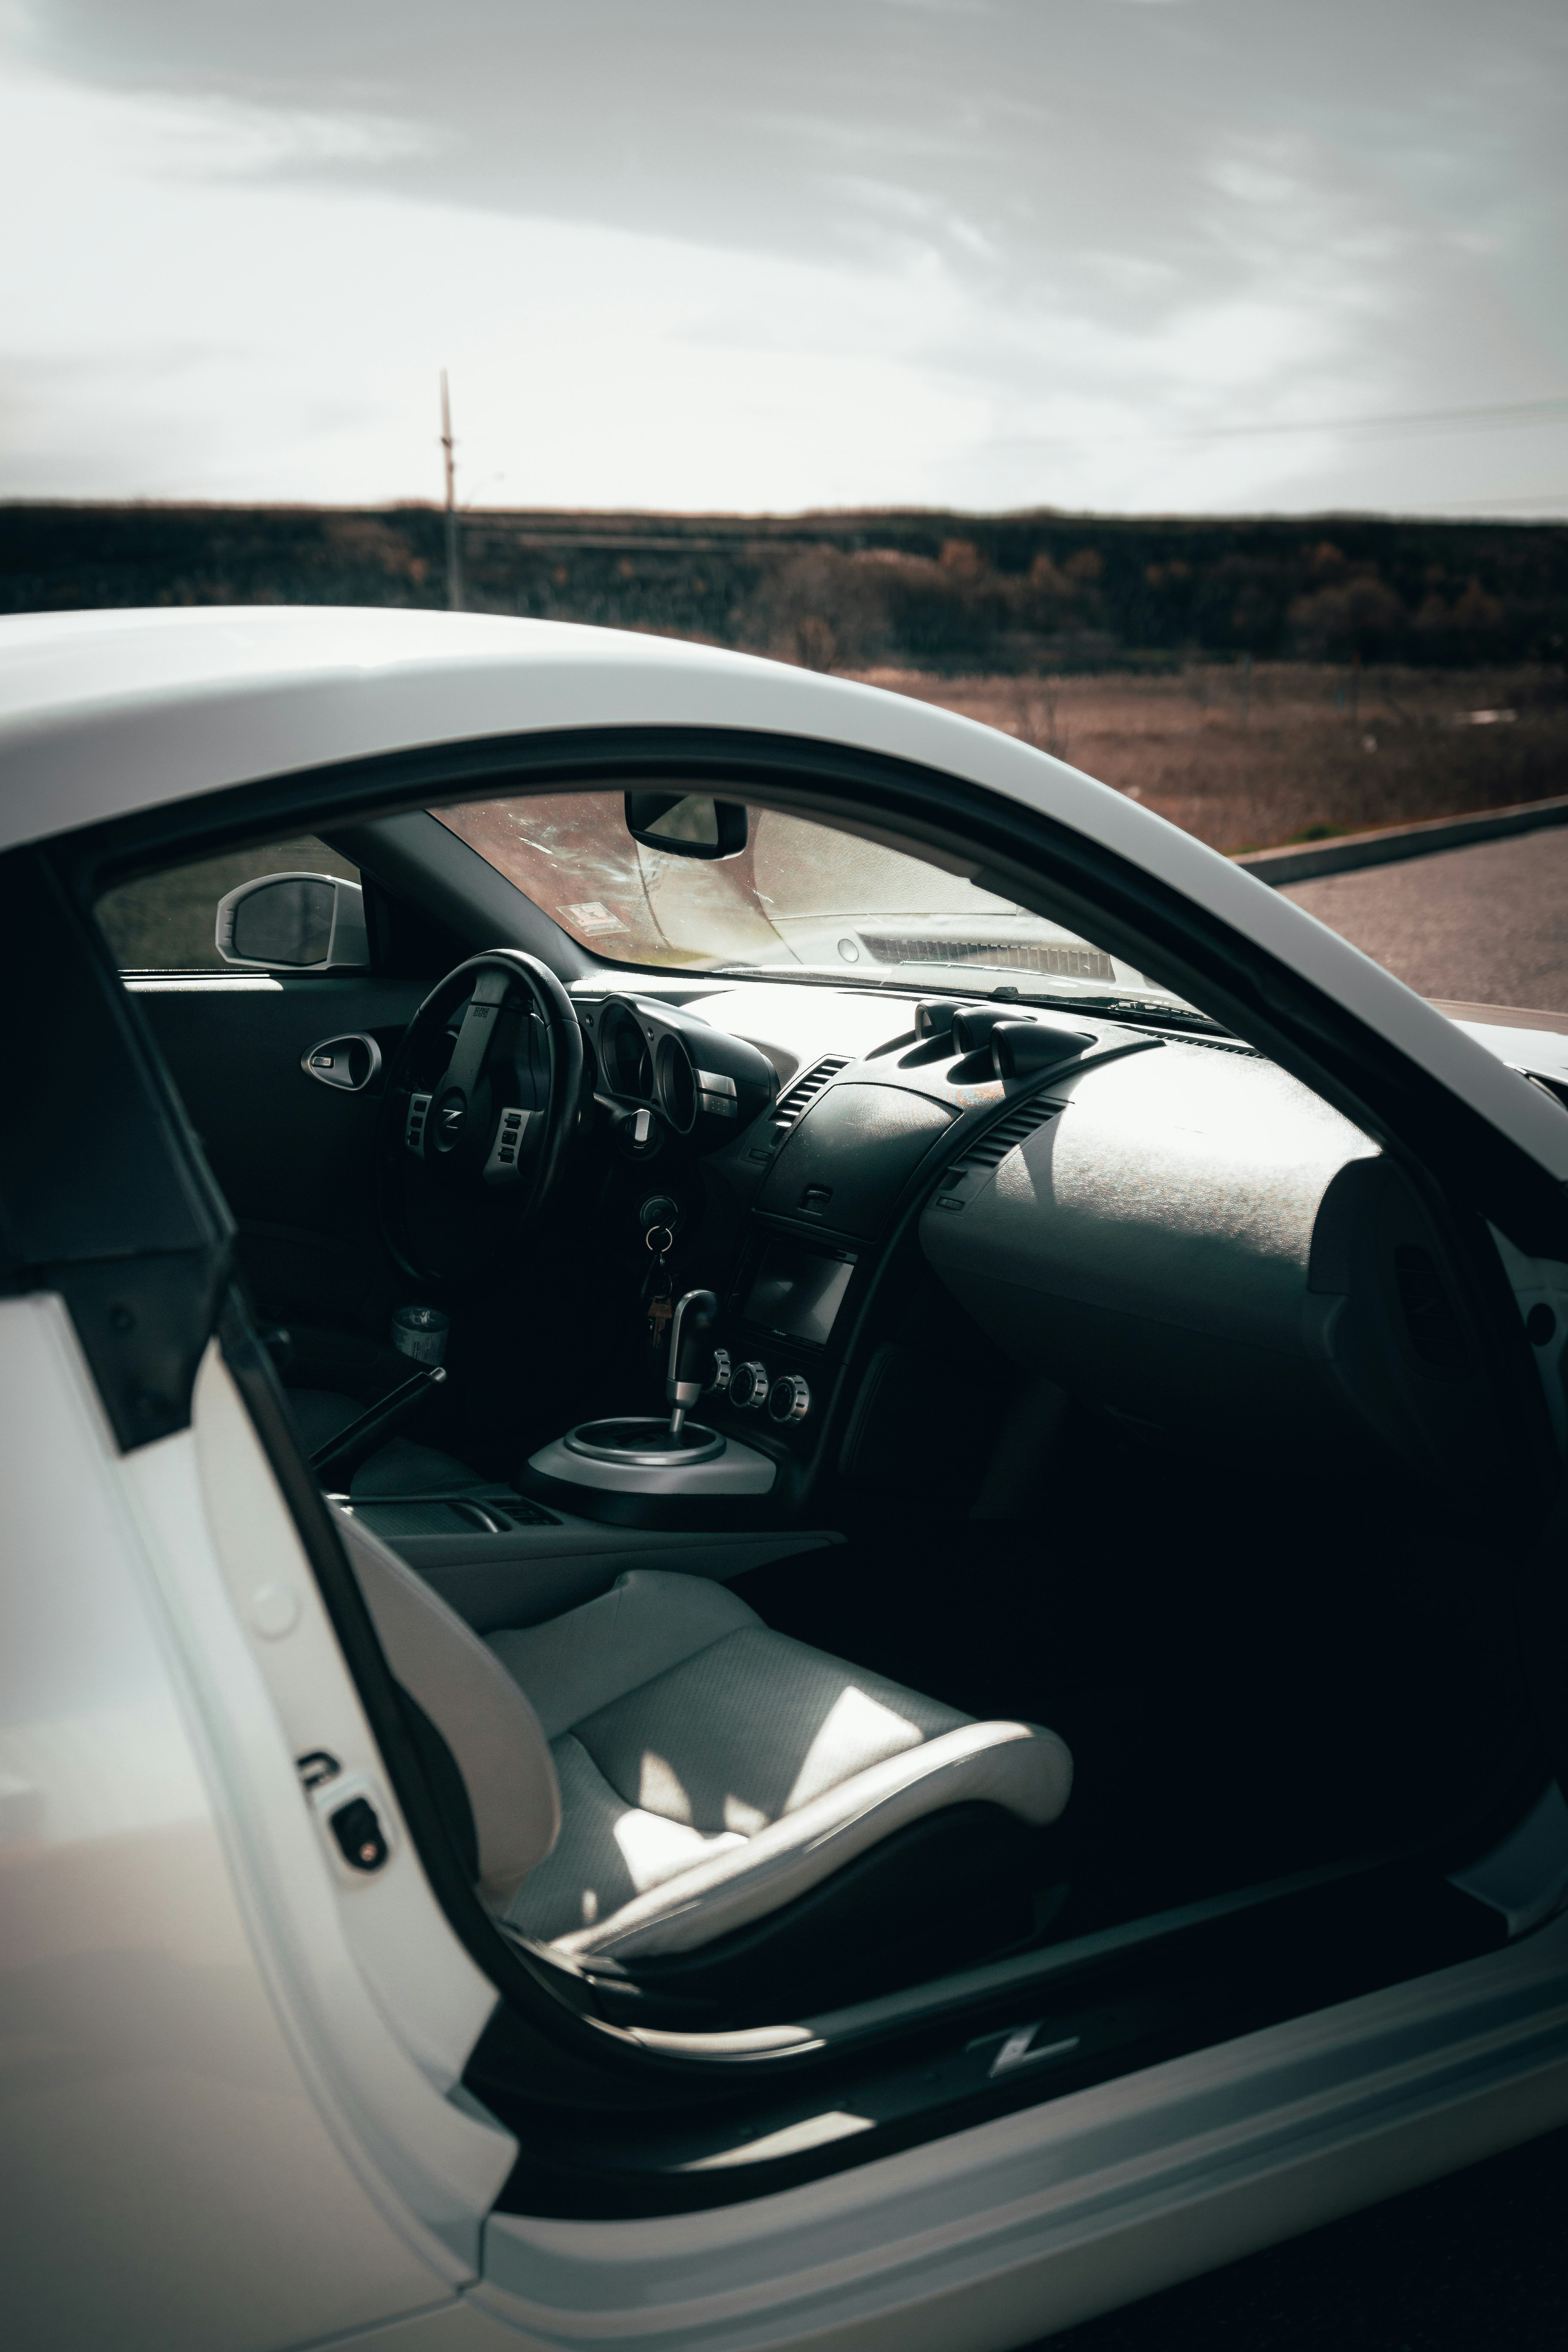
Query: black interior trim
x: 104, y: 1195
x: 456, y: 884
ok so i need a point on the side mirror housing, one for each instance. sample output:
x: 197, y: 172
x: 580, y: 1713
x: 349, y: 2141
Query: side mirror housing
x: 302, y: 922
x: 687, y: 824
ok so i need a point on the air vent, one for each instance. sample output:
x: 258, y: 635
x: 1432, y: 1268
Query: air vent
x: 992, y: 1148
x: 793, y: 1104
x: 1216, y: 1044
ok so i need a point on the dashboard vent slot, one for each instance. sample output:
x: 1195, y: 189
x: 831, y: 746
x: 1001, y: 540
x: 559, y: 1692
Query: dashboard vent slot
x: 994, y: 1147
x: 996, y: 955
x: 1215, y: 1045
x: 793, y: 1104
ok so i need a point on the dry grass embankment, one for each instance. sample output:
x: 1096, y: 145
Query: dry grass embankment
x: 1293, y: 751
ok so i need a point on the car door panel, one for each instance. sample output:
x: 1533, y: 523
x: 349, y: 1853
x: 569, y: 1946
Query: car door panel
x: 295, y: 1159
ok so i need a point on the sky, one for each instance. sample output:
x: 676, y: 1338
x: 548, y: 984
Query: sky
x: 1126, y: 256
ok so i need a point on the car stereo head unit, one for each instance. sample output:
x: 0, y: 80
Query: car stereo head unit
x: 797, y: 1291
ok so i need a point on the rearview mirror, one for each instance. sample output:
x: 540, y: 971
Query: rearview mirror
x: 687, y: 824
x: 306, y: 923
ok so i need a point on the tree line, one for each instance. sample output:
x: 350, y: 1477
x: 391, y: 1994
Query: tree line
x: 1024, y: 592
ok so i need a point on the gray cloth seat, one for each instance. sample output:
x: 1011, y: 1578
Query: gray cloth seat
x: 656, y: 1769
x: 398, y: 1467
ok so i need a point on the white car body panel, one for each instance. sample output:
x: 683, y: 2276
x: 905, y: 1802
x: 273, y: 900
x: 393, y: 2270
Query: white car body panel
x: 215, y: 2104
x: 1027, y: 2225
x: 103, y: 713
x: 240, y: 2112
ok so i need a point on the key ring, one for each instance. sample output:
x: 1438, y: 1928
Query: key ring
x: 664, y: 1246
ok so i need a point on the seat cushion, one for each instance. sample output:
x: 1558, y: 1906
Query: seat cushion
x: 710, y: 1770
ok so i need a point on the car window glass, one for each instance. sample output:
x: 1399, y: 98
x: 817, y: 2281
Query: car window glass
x: 165, y: 922
x: 801, y: 896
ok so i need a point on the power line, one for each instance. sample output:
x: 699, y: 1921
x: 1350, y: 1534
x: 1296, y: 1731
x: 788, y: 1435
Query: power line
x: 1495, y: 415
x: 1519, y: 499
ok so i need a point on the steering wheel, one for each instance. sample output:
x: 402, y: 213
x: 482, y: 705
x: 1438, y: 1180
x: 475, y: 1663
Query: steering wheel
x: 481, y: 1101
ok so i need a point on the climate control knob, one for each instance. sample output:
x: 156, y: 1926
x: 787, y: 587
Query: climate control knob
x: 723, y: 1369
x: 748, y: 1387
x: 789, y: 1398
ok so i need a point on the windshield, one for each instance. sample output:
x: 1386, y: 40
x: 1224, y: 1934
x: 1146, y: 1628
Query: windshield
x: 801, y: 899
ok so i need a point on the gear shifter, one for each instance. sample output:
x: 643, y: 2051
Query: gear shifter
x: 642, y: 1441
x: 694, y: 1313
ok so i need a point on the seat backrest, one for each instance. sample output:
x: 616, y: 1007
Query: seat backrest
x: 493, y: 1733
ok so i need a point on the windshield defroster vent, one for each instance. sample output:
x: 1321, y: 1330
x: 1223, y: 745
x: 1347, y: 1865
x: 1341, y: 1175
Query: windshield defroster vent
x: 996, y: 955
x: 992, y: 1148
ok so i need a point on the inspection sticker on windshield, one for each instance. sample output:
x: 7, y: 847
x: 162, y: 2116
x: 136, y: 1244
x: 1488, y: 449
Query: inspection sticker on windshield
x: 591, y: 917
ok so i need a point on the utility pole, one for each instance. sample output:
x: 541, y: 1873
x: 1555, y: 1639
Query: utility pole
x: 454, y: 568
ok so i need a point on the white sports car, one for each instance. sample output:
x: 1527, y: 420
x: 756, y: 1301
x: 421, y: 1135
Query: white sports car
x: 783, y: 1529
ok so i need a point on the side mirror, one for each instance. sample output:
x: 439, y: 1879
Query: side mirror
x: 308, y: 922
x: 687, y: 824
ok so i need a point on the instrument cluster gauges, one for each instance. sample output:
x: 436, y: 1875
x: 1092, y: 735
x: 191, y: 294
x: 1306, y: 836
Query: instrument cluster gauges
x: 625, y: 1061
x: 677, y: 1083
x: 706, y: 1087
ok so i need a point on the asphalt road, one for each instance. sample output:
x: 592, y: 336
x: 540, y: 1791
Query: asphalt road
x: 1477, y: 2263
x: 1486, y: 925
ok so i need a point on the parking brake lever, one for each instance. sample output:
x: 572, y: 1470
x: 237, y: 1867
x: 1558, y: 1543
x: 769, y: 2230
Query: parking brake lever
x: 694, y: 1313
x: 342, y: 1454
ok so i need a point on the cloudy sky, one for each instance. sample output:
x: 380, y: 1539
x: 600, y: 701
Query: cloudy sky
x: 1170, y: 255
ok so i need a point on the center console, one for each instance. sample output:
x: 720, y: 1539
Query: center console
x: 753, y: 1380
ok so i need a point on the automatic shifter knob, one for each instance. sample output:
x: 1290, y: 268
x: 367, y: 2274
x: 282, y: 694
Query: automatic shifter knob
x: 694, y: 1313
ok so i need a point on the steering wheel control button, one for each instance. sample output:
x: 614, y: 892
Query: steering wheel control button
x: 749, y: 1386
x: 789, y: 1398
x: 360, y: 1839
x: 421, y: 1332
x: 413, y: 1132
x: 502, y: 1166
x: 723, y: 1369
x: 274, y: 1611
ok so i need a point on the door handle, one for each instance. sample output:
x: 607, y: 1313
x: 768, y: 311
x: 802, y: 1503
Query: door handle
x: 347, y: 1063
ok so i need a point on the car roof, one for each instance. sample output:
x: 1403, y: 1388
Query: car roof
x: 102, y: 714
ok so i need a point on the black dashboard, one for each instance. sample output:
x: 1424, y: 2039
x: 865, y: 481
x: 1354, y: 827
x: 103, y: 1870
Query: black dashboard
x: 1167, y: 1227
